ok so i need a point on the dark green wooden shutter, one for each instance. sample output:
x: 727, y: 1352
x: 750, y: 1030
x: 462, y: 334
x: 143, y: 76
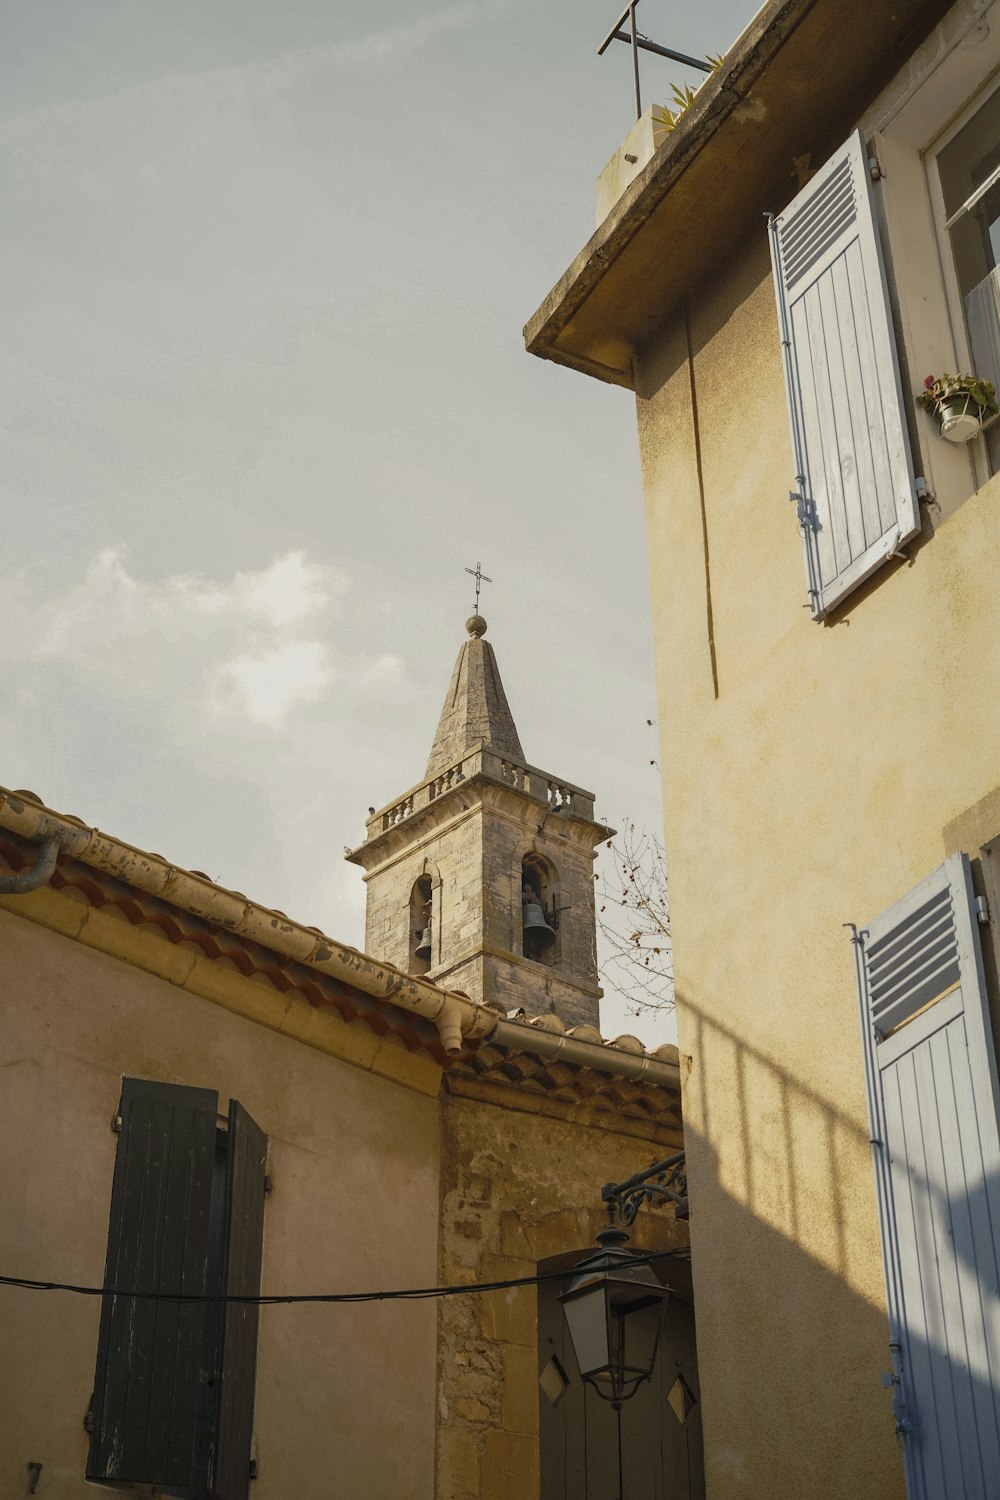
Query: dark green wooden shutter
x: 146, y: 1387
x: 247, y: 1154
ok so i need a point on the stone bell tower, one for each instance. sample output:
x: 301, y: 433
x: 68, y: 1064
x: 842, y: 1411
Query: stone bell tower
x: 481, y: 876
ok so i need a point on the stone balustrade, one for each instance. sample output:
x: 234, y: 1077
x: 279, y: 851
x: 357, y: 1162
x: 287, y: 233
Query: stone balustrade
x: 392, y: 815
x: 481, y: 761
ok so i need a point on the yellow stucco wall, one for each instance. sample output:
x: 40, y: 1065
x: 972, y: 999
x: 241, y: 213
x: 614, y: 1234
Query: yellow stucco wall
x: 816, y: 788
x: 355, y: 1165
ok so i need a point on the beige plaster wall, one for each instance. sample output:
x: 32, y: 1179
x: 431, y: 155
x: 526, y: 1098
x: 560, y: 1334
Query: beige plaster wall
x: 810, y: 773
x: 520, y: 1185
x: 344, y: 1394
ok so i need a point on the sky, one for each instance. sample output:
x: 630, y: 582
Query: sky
x: 266, y: 271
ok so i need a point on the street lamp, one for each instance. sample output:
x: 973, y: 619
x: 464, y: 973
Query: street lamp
x: 615, y: 1349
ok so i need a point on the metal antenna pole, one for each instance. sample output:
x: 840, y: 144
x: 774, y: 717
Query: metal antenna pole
x: 637, y: 42
x: 635, y: 60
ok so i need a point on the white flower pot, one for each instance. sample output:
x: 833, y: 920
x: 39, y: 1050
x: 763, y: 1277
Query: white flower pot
x: 961, y: 419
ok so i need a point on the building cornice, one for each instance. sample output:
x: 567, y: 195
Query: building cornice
x: 791, y: 86
x: 480, y: 774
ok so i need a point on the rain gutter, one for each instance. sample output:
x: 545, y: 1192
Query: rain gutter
x: 456, y: 1017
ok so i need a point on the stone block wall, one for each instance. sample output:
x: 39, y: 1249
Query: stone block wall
x: 471, y: 843
x: 451, y: 853
x: 520, y: 1188
x: 505, y: 844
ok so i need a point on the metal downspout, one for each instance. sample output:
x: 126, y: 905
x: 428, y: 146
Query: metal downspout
x: 39, y: 874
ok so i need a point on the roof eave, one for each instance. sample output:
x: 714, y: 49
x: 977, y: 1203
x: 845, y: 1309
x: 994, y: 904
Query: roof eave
x: 729, y: 154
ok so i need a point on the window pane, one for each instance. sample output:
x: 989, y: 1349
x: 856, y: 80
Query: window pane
x: 966, y: 164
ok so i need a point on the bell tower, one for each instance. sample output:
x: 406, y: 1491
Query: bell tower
x: 481, y: 876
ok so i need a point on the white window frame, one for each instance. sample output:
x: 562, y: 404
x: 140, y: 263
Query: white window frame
x: 911, y: 122
x: 953, y: 293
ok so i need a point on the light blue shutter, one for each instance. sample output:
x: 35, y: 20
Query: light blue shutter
x: 934, y: 1104
x: 854, y: 485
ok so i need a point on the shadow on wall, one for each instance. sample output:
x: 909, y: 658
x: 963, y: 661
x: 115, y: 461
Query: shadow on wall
x: 661, y: 1456
x: 790, y: 1298
x: 800, y: 1164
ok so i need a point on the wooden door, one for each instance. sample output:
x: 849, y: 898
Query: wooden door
x: 578, y: 1431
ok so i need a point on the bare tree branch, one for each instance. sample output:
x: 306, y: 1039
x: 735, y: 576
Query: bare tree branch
x: 633, y: 915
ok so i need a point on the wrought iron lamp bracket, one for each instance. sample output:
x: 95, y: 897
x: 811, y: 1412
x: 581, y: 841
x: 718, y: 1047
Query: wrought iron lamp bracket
x: 664, y: 1182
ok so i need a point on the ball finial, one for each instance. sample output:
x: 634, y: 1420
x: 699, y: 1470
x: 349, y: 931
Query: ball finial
x: 476, y: 626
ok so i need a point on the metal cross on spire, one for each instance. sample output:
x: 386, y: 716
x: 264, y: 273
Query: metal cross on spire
x: 637, y: 40
x: 481, y: 578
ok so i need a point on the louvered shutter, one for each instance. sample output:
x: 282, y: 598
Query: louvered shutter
x: 247, y: 1155
x: 934, y: 1105
x: 854, y: 486
x: 146, y: 1389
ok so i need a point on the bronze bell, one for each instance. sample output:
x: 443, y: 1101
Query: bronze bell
x: 538, y: 935
x: 423, y: 948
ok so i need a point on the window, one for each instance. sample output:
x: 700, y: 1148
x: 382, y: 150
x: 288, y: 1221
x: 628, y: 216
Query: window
x: 854, y: 485
x: 969, y: 174
x: 933, y: 1101
x: 174, y: 1386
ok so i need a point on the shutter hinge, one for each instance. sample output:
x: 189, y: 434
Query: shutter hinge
x: 874, y: 168
x: 982, y: 911
x: 116, y: 1123
x: 893, y: 549
x: 894, y: 1382
x: 804, y: 509
x: 253, y: 1468
x: 268, y: 1184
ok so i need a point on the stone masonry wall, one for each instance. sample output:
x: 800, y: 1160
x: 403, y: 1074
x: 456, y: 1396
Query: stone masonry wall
x: 519, y: 1187
x: 474, y: 860
x: 452, y: 855
x: 505, y: 844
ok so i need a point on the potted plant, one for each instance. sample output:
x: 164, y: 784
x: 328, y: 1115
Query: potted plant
x: 960, y: 402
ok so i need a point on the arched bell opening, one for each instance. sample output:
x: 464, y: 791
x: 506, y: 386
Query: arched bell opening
x: 539, y: 911
x: 421, y: 925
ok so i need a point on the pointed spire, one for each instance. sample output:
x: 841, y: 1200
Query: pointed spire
x: 476, y: 706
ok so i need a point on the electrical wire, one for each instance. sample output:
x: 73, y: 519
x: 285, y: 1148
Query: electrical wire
x: 416, y: 1294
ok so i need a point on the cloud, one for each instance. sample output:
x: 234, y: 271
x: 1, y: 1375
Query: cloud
x: 255, y: 647
x: 392, y: 42
x: 283, y: 594
x: 267, y: 686
x: 383, y: 45
x: 220, y: 719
